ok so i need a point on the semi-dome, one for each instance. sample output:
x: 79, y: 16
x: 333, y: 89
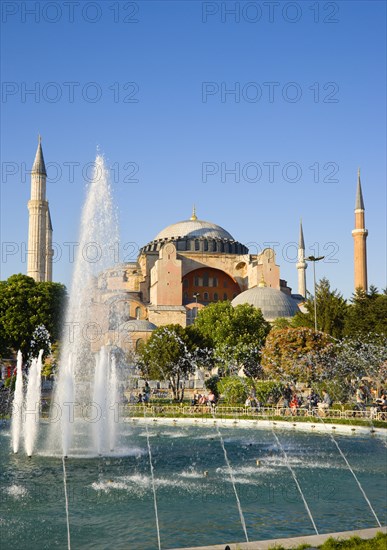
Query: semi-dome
x: 194, y: 228
x: 272, y: 302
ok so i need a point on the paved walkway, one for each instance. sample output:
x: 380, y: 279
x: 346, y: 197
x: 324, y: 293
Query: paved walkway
x: 312, y: 540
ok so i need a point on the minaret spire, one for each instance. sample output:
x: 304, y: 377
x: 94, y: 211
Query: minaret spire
x: 39, y: 167
x: 359, y: 205
x: 39, y: 265
x: 359, y: 237
x: 301, y: 264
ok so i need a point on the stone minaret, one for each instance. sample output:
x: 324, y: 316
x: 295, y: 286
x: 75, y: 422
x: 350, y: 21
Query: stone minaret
x: 39, y: 265
x: 301, y: 264
x: 359, y: 236
x: 49, y: 250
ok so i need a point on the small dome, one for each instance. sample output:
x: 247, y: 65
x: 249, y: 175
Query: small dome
x: 272, y: 302
x: 137, y: 325
x: 194, y: 228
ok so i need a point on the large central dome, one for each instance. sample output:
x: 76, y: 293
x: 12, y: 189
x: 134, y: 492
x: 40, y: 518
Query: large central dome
x: 195, y: 235
x: 194, y: 228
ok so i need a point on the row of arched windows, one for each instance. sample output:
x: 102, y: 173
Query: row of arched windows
x: 206, y: 297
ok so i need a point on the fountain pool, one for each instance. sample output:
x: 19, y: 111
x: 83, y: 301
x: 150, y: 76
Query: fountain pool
x: 111, y: 497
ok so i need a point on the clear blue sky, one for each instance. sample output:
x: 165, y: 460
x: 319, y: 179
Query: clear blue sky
x: 331, y: 117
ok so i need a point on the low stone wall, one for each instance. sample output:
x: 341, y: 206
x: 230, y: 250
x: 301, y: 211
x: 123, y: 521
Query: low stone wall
x: 312, y: 540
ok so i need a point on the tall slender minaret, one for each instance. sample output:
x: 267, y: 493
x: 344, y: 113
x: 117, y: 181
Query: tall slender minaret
x: 301, y: 264
x: 359, y: 236
x: 49, y: 250
x: 39, y: 265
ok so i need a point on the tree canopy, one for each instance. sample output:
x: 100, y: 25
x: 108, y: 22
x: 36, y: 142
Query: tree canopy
x: 236, y: 334
x: 26, y: 304
x: 296, y: 354
x: 367, y: 313
x: 331, y: 311
x: 170, y: 354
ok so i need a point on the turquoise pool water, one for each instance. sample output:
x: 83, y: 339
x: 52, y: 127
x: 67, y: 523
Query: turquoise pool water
x: 111, y: 498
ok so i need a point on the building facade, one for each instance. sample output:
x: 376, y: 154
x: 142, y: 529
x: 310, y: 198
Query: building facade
x: 187, y: 266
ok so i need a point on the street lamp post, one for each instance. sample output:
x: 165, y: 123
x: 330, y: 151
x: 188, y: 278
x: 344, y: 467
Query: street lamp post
x: 313, y: 259
x: 196, y: 296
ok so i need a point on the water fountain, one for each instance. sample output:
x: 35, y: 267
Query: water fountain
x: 120, y: 478
x: 26, y: 409
x: 86, y: 389
x: 16, y: 427
x: 32, y: 406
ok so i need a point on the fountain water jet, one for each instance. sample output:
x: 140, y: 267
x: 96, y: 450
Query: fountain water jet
x: 79, y: 381
x: 32, y: 404
x: 99, y: 400
x: 113, y: 404
x: 17, y: 405
x: 231, y: 474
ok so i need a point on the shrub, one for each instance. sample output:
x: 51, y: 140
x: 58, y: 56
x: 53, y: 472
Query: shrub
x: 234, y: 389
x: 268, y: 390
x: 211, y: 384
x: 10, y: 382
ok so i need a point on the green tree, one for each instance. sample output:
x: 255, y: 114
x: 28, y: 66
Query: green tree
x: 281, y: 322
x: 235, y: 334
x: 170, y: 355
x: 367, y: 313
x: 297, y: 354
x: 235, y: 389
x: 359, y: 357
x: 26, y: 304
x: 331, y: 311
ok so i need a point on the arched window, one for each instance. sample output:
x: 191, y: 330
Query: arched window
x: 205, y: 279
x: 138, y: 313
x: 138, y: 343
x: 196, y: 280
x: 225, y: 296
x: 205, y: 296
x: 215, y: 281
x: 185, y: 283
x: 197, y: 245
x: 205, y: 245
x: 216, y: 297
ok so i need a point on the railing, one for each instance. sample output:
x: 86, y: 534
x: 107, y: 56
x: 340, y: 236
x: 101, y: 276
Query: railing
x: 222, y: 411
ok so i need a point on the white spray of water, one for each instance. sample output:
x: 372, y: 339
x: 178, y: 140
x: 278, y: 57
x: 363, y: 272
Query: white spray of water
x: 287, y: 462
x: 353, y: 473
x: 153, y: 483
x: 113, y: 404
x: 99, y: 400
x: 17, y: 405
x: 66, y: 398
x: 75, y: 388
x: 232, y: 478
x: 66, y: 503
x: 32, y: 404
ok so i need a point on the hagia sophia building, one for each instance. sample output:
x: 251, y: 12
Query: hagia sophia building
x: 188, y: 265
